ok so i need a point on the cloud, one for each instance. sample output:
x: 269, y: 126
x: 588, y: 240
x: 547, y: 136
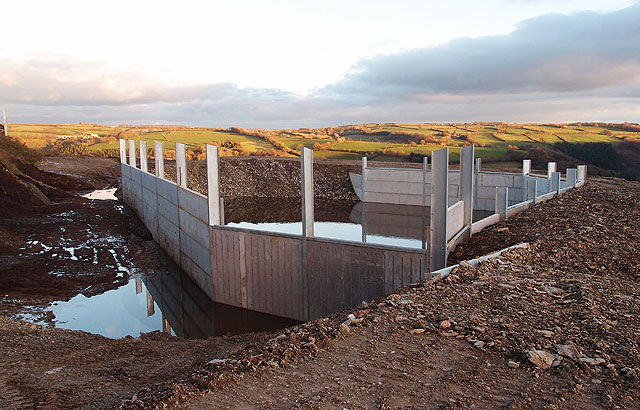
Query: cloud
x: 551, y: 53
x: 584, y: 66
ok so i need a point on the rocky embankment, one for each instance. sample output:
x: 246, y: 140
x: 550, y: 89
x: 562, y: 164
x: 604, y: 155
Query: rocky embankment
x: 264, y: 177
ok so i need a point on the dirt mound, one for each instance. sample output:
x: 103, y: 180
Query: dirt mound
x: 262, y: 177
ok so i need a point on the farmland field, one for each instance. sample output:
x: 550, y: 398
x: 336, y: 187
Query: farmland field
x: 388, y: 141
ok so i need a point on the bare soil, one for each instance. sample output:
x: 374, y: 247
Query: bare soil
x: 570, y: 303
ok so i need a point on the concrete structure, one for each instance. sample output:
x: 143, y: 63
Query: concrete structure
x: 6, y: 128
x: 158, y: 157
x: 143, y: 156
x: 300, y: 276
x: 439, y: 210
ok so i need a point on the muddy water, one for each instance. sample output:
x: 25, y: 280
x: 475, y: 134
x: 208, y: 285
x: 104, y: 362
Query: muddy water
x: 134, y: 298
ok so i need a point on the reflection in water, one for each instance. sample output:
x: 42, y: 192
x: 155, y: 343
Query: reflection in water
x: 169, y: 301
x: 383, y: 224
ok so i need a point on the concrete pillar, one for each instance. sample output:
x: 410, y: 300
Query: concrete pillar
x: 439, y: 207
x: 143, y: 156
x: 166, y: 327
x: 425, y: 180
x: 221, y: 211
x: 181, y: 165
x: 526, y: 170
x: 132, y: 153
x: 502, y: 202
x: 466, y: 185
x: 213, y: 184
x: 582, y: 174
x: 364, y: 178
x: 551, y: 168
x: 555, y: 183
x: 532, y: 190
x: 571, y: 177
x: 123, y: 151
x: 476, y: 181
x: 158, y: 157
x: 6, y: 128
x: 138, y: 285
x: 307, y: 191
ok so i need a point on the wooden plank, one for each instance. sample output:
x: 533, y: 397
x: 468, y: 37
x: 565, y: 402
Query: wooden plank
x: 326, y: 280
x: 397, y: 271
x: 388, y: 272
x: 242, y: 254
x: 415, y: 268
x: 406, y: 270
x: 262, y: 282
x: 255, y: 274
x: 285, y: 283
x: 269, y: 276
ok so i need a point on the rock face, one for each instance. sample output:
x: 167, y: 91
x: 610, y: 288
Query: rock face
x: 540, y: 358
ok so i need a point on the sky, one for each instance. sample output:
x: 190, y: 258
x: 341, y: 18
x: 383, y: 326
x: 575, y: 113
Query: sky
x: 292, y: 63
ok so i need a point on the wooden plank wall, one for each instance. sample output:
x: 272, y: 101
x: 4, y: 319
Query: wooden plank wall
x: 304, y: 279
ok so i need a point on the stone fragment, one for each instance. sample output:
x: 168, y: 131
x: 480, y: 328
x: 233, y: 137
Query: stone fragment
x: 416, y: 331
x: 592, y: 361
x: 545, y: 333
x: 569, y: 351
x: 445, y: 324
x: 540, y: 358
x: 513, y: 365
x: 344, y: 329
x: 479, y: 344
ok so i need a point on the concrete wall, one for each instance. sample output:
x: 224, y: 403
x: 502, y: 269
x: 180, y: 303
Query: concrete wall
x: 405, y: 186
x: 176, y: 217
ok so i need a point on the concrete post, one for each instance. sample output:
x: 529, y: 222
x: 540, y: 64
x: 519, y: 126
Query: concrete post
x: 138, y: 285
x: 425, y: 180
x: 551, y: 168
x: 582, y: 174
x: 466, y: 185
x: 439, y: 207
x: 143, y: 156
x: 555, y: 183
x: 502, y: 202
x: 158, y: 157
x: 213, y: 184
x: 123, y: 151
x: 364, y: 178
x: 307, y: 191
x: 6, y: 128
x: 571, y: 177
x: 132, y: 153
x: 476, y: 180
x: 526, y: 170
x: 181, y: 165
x: 221, y: 211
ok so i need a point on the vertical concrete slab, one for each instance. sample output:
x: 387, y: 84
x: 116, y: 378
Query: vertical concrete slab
x: 526, y: 170
x: 158, y: 157
x: 306, y: 160
x: 143, y: 156
x: 532, y: 189
x: 477, y: 182
x: 213, y: 184
x: 439, y: 207
x: 551, y: 168
x: 4, y: 117
x: 582, y: 174
x: 425, y: 182
x: 466, y: 185
x: 181, y: 165
x: 502, y: 202
x: 364, y: 179
x: 132, y: 153
x: 555, y: 183
x: 123, y: 151
x: 571, y: 177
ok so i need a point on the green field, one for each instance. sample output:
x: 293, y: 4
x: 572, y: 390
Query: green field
x: 388, y: 141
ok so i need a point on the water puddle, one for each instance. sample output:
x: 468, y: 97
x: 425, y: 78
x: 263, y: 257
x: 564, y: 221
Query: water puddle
x: 167, y: 301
